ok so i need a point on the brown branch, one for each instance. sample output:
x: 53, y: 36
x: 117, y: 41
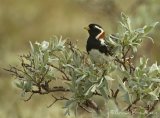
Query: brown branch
x: 112, y: 92
x: 96, y: 93
x: 153, y: 106
x: 84, y: 108
x: 117, y: 91
x: 131, y: 66
x: 45, y: 85
x: 54, y: 89
x: 71, y: 46
x: 133, y: 103
x: 93, y: 105
x: 25, y: 71
x: 121, y: 62
x: 60, y: 70
x: 125, y: 59
x: 43, y: 77
x: 124, y: 79
x: 29, y: 97
x: 57, y: 99
x: 14, y: 72
x: 125, y: 53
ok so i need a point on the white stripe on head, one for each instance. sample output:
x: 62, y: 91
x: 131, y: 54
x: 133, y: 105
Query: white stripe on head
x: 102, y: 31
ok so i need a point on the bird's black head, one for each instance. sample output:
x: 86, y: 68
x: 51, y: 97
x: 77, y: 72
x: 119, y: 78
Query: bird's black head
x: 95, y: 31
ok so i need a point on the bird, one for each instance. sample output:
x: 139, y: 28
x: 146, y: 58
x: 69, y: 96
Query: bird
x: 96, y: 47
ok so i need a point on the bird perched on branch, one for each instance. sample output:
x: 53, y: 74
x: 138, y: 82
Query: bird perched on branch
x: 96, y: 47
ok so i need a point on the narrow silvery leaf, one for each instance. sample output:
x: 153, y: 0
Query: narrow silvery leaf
x: 28, y: 86
x: 155, y: 79
x: 67, y: 112
x: 81, y: 78
x: 112, y: 42
x: 140, y: 30
x: 19, y: 85
x: 108, y: 87
x: 68, y: 65
x: 102, y: 90
x: 45, y: 57
x: 32, y: 48
x: 157, y: 91
x: 127, y: 98
x: 153, y: 96
x: 134, y: 48
x: 75, y: 106
x: 126, y: 21
x: 51, y: 60
x: 90, y: 89
x: 143, y: 62
x: 94, y: 88
x: 122, y: 85
x: 124, y: 26
x: 147, y: 29
x: 124, y: 17
x: 112, y: 106
x: 44, y: 45
x: 147, y: 37
x: 36, y: 48
x: 153, y: 68
x: 108, y: 78
x: 101, y: 83
x: 68, y: 103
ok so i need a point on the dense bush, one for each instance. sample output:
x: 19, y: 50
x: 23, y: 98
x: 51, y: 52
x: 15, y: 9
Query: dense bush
x: 128, y: 88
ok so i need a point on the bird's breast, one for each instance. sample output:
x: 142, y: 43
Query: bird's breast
x: 97, y: 57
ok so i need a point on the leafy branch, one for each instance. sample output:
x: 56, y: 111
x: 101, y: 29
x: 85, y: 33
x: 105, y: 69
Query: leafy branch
x: 82, y: 80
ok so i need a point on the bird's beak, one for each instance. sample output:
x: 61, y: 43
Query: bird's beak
x: 86, y: 28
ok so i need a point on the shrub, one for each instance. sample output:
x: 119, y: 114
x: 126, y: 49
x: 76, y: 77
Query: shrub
x: 127, y: 88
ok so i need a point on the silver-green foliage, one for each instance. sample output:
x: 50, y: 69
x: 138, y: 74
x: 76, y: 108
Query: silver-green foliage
x: 119, y: 80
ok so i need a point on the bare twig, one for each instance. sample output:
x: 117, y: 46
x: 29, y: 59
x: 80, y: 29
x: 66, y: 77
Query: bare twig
x: 14, y: 72
x: 29, y: 97
x: 25, y: 71
x: 71, y: 46
x: 84, y: 108
x: 123, y: 53
x: 133, y: 103
x: 60, y: 70
x: 43, y: 77
x: 57, y: 99
x: 96, y: 93
x: 117, y: 91
x: 49, y: 90
x: 112, y: 92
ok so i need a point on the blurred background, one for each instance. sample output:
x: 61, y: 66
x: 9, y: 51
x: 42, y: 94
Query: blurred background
x: 22, y: 21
